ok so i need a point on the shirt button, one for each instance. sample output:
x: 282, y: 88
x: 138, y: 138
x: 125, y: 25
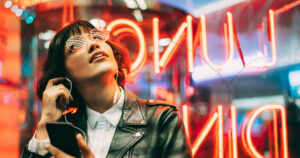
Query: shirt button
x: 138, y: 134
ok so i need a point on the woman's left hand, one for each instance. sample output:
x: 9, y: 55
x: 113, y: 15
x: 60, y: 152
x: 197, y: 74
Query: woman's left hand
x: 85, y: 150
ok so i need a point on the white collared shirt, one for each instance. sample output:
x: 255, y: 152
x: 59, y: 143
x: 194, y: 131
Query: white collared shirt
x: 101, y: 129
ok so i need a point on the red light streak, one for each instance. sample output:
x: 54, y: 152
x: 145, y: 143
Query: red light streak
x: 155, y: 45
x: 254, y: 115
x: 169, y: 52
x: 233, y: 132
x: 190, y: 50
x: 287, y: 7
x: 220, y: 124
x: 226, y: 39
x: 204, y: 133
x: 185, y: 116
x: 275, y: 133
x: 71, y: 110
x: 216, y: 115
x: 142, y: 55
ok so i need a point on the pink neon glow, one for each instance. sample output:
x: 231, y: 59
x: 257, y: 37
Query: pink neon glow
x: 190, y: 50
x: 170, y: 50
x: 185, y: 115
x: 155, y: 45
x: 233, y: 132
x: 254, y: 115
x: 142, y: 55
x: 203, y: 41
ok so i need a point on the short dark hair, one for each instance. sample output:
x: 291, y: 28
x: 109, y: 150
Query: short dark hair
x: 54, y: 66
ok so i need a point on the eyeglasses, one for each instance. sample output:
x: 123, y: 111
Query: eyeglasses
x: 77, y: 42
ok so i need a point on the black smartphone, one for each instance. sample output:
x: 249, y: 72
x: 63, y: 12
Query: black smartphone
x: 62, y: 136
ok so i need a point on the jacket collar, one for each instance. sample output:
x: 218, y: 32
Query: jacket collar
x: 133, y: 113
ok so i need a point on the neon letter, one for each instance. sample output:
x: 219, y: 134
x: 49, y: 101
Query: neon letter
x: 216, y: 115
x: 170, y: 50
x: 251, y: 118
x: 142, y: 55
x: 203, y: 41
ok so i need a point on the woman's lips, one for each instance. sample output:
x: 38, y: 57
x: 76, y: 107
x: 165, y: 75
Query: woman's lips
x: 97, y: 56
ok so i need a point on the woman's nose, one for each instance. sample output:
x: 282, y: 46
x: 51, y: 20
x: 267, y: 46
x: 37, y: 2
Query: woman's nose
x: 93, y: 46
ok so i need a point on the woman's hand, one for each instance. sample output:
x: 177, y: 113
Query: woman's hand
x: 50, y: 111
x: 85, y: 150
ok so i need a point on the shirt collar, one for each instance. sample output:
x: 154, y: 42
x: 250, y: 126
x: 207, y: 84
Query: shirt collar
x: 112, y: 115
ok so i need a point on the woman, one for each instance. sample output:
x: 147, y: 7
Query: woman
x: 117, y: 123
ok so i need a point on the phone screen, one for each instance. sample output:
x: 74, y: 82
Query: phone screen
x: 62, y: 136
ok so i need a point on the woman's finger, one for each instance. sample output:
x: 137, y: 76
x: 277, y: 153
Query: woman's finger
x: 57, y: 153
x: 52, y: 81
x: 85, y: 150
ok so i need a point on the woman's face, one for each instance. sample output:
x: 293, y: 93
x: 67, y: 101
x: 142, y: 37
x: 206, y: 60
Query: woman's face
x: 88, y: 56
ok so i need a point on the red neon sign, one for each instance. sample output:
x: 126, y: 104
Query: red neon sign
x: 142, y: 55
x: 247, y: 144
x: 185, y: 28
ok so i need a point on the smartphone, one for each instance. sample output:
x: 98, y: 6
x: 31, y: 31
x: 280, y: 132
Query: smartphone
x: 62, y: 136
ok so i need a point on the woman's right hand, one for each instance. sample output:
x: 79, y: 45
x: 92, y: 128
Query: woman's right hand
x: 50, y: 111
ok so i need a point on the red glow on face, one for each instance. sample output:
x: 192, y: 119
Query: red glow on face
x: 142, y: 55
x: 252, y: 118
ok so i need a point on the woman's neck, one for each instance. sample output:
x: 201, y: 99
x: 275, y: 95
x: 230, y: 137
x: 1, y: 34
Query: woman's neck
x: 99, y: 95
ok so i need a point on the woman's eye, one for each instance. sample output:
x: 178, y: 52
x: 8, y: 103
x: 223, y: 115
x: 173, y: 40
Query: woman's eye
x: 97, y: 38
x: 74, y: 48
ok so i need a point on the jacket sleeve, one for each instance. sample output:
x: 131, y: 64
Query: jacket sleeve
x: 175, y: 143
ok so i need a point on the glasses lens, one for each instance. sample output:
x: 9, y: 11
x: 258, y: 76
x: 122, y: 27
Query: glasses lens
x: 99, y: 35
x: 75, y: 43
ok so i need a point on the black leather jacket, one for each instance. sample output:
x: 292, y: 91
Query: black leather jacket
x: 147, y: 128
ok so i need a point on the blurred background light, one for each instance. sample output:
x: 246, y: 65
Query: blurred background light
x: 164, y: 41
x: 131, y: 4
x: 8, y: 4
x: 14, y: 8
x: 142, y: 4
x: 138, y: 15
x: 47, y: 35
x: 98, y: 23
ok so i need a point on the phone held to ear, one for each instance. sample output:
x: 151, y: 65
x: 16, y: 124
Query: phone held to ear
x: 62, y: 136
